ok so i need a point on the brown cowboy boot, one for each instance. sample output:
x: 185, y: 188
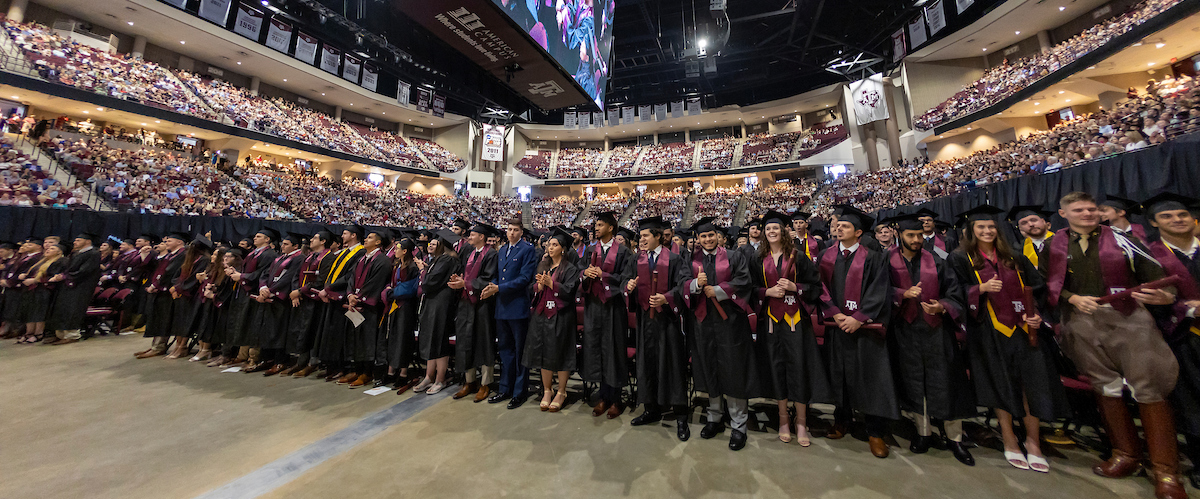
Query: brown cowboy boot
x: 1126, y: 449
x: 1159, y: 423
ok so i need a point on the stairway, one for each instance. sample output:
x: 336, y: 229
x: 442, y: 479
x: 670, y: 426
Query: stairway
x: 59, y: 172
x: 628, y: 211
x: 739, y: 215
x: 696, y: 154
x: 737, y: 154
x: 796, y: 146
x: 602, y: 170
x: 553, y: 171
x: 637, y: 164
x: 527, y: 213
x: 583, y: 214
x: 689, y: 211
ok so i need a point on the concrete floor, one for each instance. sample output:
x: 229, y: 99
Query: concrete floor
x: 88, y: 420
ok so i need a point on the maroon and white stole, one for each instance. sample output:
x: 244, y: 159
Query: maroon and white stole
x: 474, y: 262
x: 548, y: 303
x: 1187, y: 287
x: 1114, y: 267
x: 647, y: 285
x: 787, y: 307
x: 910, y: 308
x: 277, y: 267
x: 599, y: 287
x: 854, y: 280
x: 811, y: 249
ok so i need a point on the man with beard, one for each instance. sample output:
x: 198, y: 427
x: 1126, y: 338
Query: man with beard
x: 926, y: 303
x: 1034, y: 224
x: 605, y: 317
x: 475, y: 322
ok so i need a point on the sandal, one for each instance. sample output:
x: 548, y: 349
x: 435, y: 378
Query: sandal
x: 557, y: 405
x: 423, y: 385
x: 32, y: 339
x: 1038, y: 464
x: 1016, y: 460
x: 547, y: 396
x: 802, y: 436
x: 785, y: 426
x: 434, y: 388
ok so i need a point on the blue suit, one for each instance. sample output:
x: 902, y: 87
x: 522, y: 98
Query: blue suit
x: 516, y: 265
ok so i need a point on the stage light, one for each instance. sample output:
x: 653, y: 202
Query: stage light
x: 1150, y: 64
x: 703, y: 42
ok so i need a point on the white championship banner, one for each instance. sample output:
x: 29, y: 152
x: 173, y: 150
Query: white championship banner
x: 869, y: 103
x: 331, y: 58
x: 370, y: 77
x: 306, y: 48
x: 216, y: 11
x: 249, y: 22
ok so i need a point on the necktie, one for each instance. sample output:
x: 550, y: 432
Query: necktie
x: 1083, y: 243
x: 653, y: 258
x: 845, y: 253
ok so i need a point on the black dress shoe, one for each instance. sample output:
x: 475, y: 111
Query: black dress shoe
x: 646, y: 418
x: 737, y: 440
x: 920, y: 444
x: 961, y: 453
x: 712, y: 429
x: 387, y: 379
x: 517, y: 401
x: 498, y: 398
x: 682, y: 430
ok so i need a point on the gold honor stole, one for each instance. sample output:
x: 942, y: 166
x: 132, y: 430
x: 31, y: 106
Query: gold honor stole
x: 1031, y: 252
x: 1005, y: 330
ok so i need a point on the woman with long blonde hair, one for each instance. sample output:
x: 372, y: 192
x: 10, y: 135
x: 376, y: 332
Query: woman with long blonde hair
x: 41, y: 282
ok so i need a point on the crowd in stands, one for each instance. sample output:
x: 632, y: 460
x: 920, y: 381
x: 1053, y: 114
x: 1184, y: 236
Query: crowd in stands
x: 764, y: 148
x: 721, y: 203
x: 497, y: 210
x: 578, y: 163
x: 668, y: 203
x: 23, y: 183
x: 561, y: 210
x: 621, y: 160
x: 667, y: 158
x: 717, y: 154
x: 441, y: 158
x: 784, y: 197
x: 606, y: 202
x: 1007, y: 78
x: 392, y: 147
x: 61, y: 60
x: 536, y: 165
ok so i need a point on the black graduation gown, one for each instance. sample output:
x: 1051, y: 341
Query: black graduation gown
x: 860, y: 370
x: 723, y: 357
x: 208, y: 322
x: 37, y: 302
x: 15, y: 292
x: 606, y: 323
x: 1003, y: 367
x: 550, y: 342
x: 333, y: 337
x: 1186, y: 346
x: 438, y: 304
x: 136, y: 268
x: 402, y: 321
x: 162, y: 304
x: 273, y: 316
x: 790, y: 362
x: 306, y: 319
x: 930, y: 365
x: 369, y: 278
x: 662, y: 352
x: 188, y: 287
x: 243, y: 319
x: 75, y: 293
x: 475, y: 323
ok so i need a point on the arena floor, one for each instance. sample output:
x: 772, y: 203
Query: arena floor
x: 89, y: 420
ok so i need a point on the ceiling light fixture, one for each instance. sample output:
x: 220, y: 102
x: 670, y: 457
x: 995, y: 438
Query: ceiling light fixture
x: 1060, y: 9
x: 1159, y: 45
x: 181, y: 42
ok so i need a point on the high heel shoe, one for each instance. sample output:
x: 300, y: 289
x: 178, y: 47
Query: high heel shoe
x: 785, y: 426
x: 547, y: 396
x: 557, y: 404
x: 802, y: 435
x: 201, y: 356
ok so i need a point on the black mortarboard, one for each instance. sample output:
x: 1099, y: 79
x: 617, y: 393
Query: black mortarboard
x: 780, y: 218
x: 608, y: 217
x: 800, y: 215
x: 757, y: 222
x: 485, y: 229
x: 582, y: 231
x: 1127, y: 205
x: 1166, y: 201
x: 65, y: 248
x: 204, y: 242
x: 732, y: 232
x: 295, y: 238
x: 462, y: 223
x: 911, y: 221
x: 940, y: 225
x: 655, y: 222
x: 271, y: 234
x: 8, y: 245
x: 153, y: 239
x: 182, y: 236
x: 87, y: 235
x: 563, y: 237
x: 629, y: 235
x: 981, y: 212
x: 704, y: 225
x: 448, y: 237
x: 357, y: 230
x: 324, y: 235
x: 1017, y: 213
x: 856, y: 217
x: 384, y: 233
x: 926, y: 212
x: 235, y: 251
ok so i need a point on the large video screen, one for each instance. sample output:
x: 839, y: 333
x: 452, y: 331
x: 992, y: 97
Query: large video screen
x: 576, y: 33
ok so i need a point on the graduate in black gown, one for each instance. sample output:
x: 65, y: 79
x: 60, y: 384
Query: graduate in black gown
x: 932, y: 240
x: 927, y: 304
x: 475, y: 321
x: 550, y: 343
x: 1178, y: 250
x: 365, y: 295
x: 275, y: 304
x: 723, y: 359
x: 227, y: 355
x: 803, y: 239
x: 856, y: 299
x: 243, y: 312
x: 438, y: 304
x: 402, y: 317
x: 656, y: 285
x: 39, y: 283
x: 1012, y: 374
x: 333, y: 337
x: 308, y: 310
x: 184, y: 290
x: 208, y: 320
x: 28, y: 254
x: 605, y: 317
x: 158, y: 294
x: 787, y: 289
x: 76, y: 290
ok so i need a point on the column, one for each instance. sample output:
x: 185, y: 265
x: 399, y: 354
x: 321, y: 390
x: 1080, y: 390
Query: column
x: 743, y: 129
x: 16, y: 10
x: 687, y: 134
x: 893, y: 125
x: 334, y: 174
x: 869, y: 147
x: 254, y: 83
x: 139, y: 46
x: 1044, y: 41
x: 337, y: 113
x: 607, y: 144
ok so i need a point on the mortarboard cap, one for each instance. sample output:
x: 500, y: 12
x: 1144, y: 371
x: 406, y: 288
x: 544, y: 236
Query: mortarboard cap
x: 295, y: 238
x: 271, y: 234
x: 150, y: 238
x: 981, y: 212
x: 384, y: 233
x: 203, y: 242
x: 704, y: 225
x: 1120, y: 203
x: 1166, y: 201
x: 628, y: 234
x: 182, y: 236
x: 87, y: 235
x: 8, y: 245
x: 462, y: 223
x: 655, y: 222
x: 564, y: 238
x: 856, y: 217
x: 357, y: 230
x: 800, y: 215
x: 1018, y: 213
x: 448, y: 237
x: 780, y: 218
